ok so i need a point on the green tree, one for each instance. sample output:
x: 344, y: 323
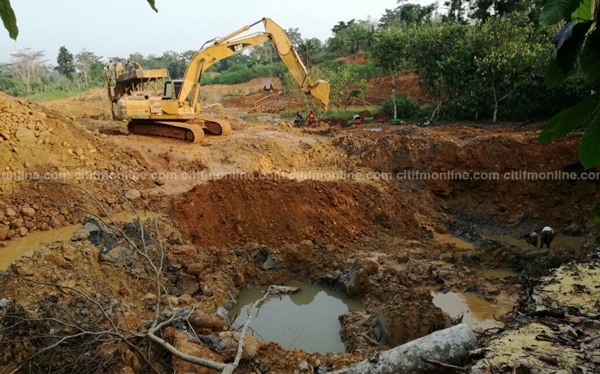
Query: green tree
x: 389, y: 52
x: 85, y: 62
x: 308, y: 48
x: 66, y: 63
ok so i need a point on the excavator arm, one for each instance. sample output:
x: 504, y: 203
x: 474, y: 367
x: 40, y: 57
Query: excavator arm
x: 228, y: 46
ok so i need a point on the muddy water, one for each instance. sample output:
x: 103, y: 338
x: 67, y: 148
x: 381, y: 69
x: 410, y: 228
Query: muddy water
x: 447, y: 238
x: 564, y: 240
x: 477, y: 312
x: 16, y: 248
x: 306, y: 320
x: 498, y: 273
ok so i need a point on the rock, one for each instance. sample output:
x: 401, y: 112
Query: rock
x: 572, y: 230
x: 230, y: 340
x: 195, y: 269
x: 25, y: 135
x: 355, y: 282
x: 187, y: 284
x: 78, y: 151
x: 133, y: 194
x: 301, y: 252
x: 370, y: 267
x: 181, y: 341
x: 39, y: 116
x: 5, y: 135
x: 3, y: 231
x: 23, y: 231
x: 303, y: 366
x: 29, y: 225
x: 44, y: 226
x: 271, y: 263
x: 10, y: 213
x: 119, y: 255
x: 30, y: 212
x: 95, y: 231
x: 202, y: 321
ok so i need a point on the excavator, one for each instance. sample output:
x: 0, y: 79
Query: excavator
x: 157, y: 106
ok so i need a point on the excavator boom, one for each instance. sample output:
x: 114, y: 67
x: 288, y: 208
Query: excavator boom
x: 155, y: 106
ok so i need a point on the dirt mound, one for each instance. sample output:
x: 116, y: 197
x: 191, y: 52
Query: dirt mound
x: 356, y: 59
x: 407, y: 83
x: 229, y: 212
x: 38, y: 146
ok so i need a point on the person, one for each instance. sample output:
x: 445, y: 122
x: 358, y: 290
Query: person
x: 299, y: 119
x: 110, y: 68
x: 311, y: 118
x: 547, y: 236
x: 119, y: 68
x: 132, y: 65
x: 531, y: 238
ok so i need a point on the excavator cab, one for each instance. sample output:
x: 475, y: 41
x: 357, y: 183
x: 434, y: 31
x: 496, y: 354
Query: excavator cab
x: 172, y: 89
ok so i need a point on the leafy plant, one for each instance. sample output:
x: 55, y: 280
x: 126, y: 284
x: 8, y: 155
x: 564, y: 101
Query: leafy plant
x: 578, y: 41
x: 406, y: 107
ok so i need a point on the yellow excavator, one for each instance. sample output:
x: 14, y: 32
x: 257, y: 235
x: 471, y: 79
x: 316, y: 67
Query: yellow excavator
x: 155, y: 105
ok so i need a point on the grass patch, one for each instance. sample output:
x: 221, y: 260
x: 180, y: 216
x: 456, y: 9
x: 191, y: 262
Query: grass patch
x: 52, y: 95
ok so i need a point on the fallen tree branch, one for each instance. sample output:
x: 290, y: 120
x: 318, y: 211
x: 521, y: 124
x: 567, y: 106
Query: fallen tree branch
x: 452, y: 345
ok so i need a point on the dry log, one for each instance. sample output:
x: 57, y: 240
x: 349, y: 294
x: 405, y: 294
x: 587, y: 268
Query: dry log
x: 451, y: 346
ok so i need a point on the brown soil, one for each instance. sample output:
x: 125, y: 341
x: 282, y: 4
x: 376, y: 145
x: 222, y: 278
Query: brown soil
x: 321, y: 202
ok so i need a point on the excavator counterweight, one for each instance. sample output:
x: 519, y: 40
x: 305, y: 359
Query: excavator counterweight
x: 154, y: 105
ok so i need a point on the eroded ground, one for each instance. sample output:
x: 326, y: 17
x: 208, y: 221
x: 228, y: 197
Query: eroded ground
x: 272, y: 204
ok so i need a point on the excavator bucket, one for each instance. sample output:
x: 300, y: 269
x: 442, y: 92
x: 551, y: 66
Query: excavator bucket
x: 320, y: 90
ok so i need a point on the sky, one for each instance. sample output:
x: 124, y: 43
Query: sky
x: 121, y: 27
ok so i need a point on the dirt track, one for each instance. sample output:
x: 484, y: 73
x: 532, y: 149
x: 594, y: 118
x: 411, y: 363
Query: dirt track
x: 318, y: 200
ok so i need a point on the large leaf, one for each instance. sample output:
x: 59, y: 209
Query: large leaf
x: 569, y: 119
x: 589, y: 58
x: 9, y: 19
x: 583, y: 11
x: 570, y: 44
x: 152, y: 5
x: 589, y: 149
x: 556, y: 10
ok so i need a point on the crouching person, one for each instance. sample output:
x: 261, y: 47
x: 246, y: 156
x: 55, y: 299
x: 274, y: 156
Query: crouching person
x: 531, y: 238
x: 547, y: 236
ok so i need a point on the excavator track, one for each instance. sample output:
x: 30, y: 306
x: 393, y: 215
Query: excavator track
x: 215, y: 126
x: 189, y: 132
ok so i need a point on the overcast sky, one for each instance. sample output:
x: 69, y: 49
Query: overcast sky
x: 121, y: 27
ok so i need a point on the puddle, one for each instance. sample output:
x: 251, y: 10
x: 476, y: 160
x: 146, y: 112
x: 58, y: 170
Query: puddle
x: 447, y: 238
x: 563, y: 240
x: 34, y: 241
x: 306, y: 320
x: 498, y: 273
x: 477, y: 312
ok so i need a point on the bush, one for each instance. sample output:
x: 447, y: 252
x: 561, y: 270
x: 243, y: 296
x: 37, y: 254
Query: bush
x: 406, y: 106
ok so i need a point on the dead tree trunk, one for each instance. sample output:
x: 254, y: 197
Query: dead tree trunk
x: 449, y: 346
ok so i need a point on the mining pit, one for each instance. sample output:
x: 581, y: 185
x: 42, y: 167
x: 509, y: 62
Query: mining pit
x: 381, y: 258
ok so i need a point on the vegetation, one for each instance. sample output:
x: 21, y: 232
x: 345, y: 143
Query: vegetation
x: 478, y: 60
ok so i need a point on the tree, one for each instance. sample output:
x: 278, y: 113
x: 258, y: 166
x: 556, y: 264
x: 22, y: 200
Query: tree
x: 28, y: 67
x: 66, y: 63
x: 9, y: 19
x: 308, y: 47
x: 389, y: 51
x: 85, y: 63
x: 294, y: 36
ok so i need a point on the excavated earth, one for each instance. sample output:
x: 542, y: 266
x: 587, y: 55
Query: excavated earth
x: 272, y: 204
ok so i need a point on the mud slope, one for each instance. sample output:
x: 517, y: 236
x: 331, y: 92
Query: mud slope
x: 229, y: 212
